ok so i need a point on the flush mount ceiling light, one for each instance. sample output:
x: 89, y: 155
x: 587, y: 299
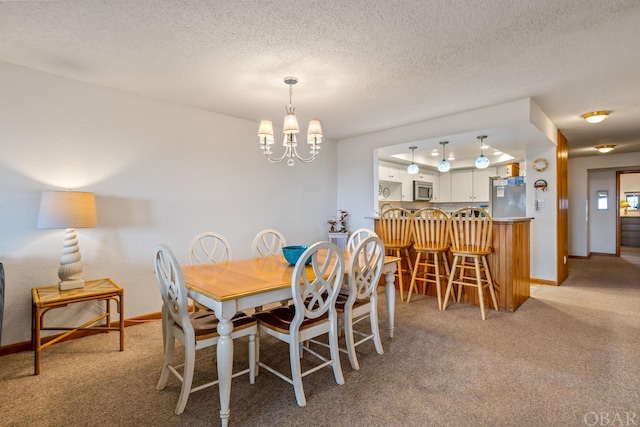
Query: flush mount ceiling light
x: 412, y: 169
x: 596, y: 116
x: 290, y: 129
x: 482, y: 162
x: 444, y: 165
x: 605, y: 148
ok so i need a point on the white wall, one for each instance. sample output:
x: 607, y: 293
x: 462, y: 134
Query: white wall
x: 161, y: 174
x: 578, y: 170
x: 544, y: 225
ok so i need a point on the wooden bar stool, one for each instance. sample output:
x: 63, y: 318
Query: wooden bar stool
x: 431, y: 243
x: 395, y: 227
x: 470, y: 233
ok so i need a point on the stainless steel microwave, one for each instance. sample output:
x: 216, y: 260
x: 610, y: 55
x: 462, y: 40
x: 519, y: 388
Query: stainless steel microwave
x: 422, y: 191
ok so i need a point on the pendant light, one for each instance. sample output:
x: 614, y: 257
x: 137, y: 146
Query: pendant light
x: 444, y: 165
x: 412, y: 169
x: 482, y: 162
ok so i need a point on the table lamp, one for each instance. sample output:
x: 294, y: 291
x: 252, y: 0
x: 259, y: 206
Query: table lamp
x: 624, y: 204
x: 69, y: 210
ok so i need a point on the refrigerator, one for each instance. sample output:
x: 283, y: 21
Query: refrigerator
x: 508, y: 197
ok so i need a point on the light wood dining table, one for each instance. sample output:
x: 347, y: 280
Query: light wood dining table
x: 233, y: 286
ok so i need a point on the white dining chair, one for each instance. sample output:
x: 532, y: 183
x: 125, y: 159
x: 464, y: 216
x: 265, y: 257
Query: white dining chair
x: 207, y: 248
x: 358, y: 236
x: 194, y: 331
x: 354, y: 240
x: 361, y: 302
x: 312, y: 314
x: 268, y: 242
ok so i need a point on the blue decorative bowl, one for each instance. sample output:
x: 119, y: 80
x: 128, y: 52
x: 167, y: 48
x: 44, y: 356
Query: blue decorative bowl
x: 292, y: 253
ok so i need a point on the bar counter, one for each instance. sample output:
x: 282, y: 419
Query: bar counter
x: 509, y: 264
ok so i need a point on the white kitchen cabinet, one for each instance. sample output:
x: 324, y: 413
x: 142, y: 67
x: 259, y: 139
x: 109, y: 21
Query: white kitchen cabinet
x: 407, y: 186
x: 445, y: 188
x: 481, y: 185
x: 462, y: 185
x: 389, y: 172
x: 471, y: 185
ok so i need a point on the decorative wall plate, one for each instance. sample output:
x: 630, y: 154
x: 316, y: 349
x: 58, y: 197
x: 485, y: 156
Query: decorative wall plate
x: 386, y: 192
x: 540, y: 165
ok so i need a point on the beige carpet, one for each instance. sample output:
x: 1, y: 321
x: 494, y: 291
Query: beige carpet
x: 568, y: 355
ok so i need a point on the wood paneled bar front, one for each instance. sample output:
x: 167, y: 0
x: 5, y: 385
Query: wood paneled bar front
x: 509, y: 264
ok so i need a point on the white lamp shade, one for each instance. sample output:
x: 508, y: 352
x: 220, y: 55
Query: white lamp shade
x: 67, y: 209
x: 315, y: 129
x: 266, y: 129
x: 291, y: 124
x: 482, y: 162
x: 444, y: 166
x: 413, y: 169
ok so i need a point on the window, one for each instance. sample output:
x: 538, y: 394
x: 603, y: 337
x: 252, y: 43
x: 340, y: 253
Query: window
x: 632, y: 199
x: 602, y: 200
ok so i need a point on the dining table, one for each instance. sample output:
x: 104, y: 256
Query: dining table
x: 232, y: 286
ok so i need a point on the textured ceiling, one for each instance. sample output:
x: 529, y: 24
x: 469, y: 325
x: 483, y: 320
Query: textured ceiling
x: 362, y: 65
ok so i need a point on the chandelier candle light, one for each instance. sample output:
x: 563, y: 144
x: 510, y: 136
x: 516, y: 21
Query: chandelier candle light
x: 482, y: 162
x: 290, y: 129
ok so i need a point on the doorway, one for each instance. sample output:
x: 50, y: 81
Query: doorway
x: 628, y: 224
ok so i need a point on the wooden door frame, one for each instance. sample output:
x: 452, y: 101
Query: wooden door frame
x: 562, y: 209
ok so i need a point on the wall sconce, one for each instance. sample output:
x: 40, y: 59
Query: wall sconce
x: 69, y: 210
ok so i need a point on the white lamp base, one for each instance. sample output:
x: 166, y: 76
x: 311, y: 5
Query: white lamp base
x: 70, y: 284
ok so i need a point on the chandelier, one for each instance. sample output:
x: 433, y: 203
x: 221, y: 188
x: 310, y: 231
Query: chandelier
x: 290, y: 129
